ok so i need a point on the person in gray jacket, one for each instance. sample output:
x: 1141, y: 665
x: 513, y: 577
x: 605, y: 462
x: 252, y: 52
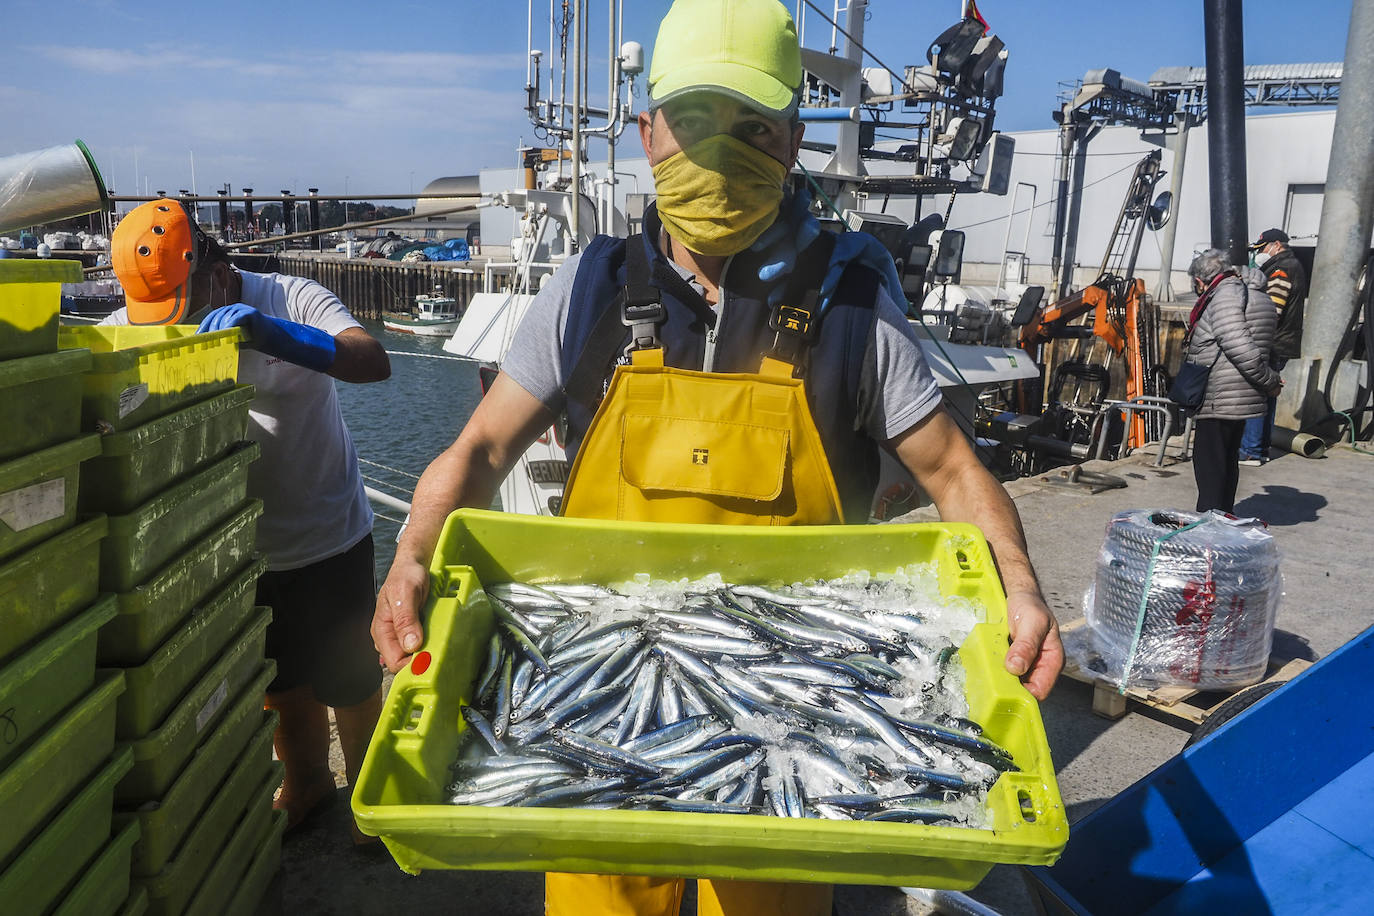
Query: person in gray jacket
x: 1232, y: 330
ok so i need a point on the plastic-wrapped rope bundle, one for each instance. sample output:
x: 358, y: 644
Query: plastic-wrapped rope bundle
x: 1184, y: 599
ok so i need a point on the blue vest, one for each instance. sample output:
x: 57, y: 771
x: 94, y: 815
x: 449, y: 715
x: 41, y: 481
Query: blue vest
x: 837, y: 398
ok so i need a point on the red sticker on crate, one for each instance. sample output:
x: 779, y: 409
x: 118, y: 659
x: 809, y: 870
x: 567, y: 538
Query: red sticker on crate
x: 420, y: 664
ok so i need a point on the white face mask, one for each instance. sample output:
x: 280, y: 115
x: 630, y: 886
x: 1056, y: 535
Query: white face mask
x: 1261, y: 257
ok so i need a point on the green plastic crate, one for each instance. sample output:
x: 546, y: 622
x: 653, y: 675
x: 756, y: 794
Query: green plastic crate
x: 151, y: 689
x: 149, y: 613
x: 45, y: 585
x: 250, y: 834
x: 61, y: 759
x: 141, y: 373
x: 170, y: 889
x: 30, y: 298
x: 38, y: 685
x: 38, y: 493
x: 40, y: 401
x: 141, y: 541
x: 399, y: 794
x: 49, y: 864
x: 163, y: 752
x: 134, y: 465
x: 247, y: 899
x: 104, y: 889
x: 166, y: 821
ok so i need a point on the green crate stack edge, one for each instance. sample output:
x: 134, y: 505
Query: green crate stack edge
x: 58, y: 760
x: 80, y: 766
x: 187, y: 638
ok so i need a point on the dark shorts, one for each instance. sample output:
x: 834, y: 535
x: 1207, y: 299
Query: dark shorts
x: 320, y: 633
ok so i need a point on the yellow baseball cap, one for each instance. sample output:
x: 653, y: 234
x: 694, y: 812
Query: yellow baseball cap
x: 154, y: 250
x: 747, y: 49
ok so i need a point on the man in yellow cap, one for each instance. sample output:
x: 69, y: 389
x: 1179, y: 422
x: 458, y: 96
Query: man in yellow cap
x: 316, y: 526
x: 731, y: 288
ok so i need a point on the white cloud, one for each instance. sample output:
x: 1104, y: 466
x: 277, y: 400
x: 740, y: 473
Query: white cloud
x: 427, y: 68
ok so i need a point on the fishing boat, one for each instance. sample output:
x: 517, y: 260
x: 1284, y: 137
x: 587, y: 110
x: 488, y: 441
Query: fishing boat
x: 91, y: 300
x: 434, y: 315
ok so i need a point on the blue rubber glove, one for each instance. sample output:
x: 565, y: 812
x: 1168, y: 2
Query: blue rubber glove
x: 793, y: 230
x: 866, y: 251
x: 296, y: 343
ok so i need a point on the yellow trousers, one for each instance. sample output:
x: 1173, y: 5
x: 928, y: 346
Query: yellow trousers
x: 672, y: 445
x: 638, y: 895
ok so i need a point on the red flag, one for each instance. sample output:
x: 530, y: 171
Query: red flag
x: 974, y: 14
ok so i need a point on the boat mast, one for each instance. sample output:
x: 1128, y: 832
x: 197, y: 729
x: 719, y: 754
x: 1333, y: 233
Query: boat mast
x: 575, y: 189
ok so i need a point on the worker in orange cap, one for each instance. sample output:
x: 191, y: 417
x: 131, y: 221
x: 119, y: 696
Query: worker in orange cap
x: 316, y: 526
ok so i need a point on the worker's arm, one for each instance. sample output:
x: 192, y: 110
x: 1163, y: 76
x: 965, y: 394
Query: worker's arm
x: 359, y: 357
x: 1279, y: 287
x: 351, y: 355
x: 467, y: 473
x: 939, y: 456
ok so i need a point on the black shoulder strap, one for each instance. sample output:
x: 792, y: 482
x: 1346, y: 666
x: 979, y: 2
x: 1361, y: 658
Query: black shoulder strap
x: 641, y: 303
x: 796, y: 317
x: 584, y: 385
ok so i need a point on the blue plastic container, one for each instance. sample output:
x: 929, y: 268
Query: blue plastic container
x: 1271, y: 813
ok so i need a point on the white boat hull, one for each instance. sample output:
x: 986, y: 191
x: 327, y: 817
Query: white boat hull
x: 443, y: 328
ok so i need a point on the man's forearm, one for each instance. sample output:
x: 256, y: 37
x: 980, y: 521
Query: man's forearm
x: 455, y: 479
x: 977, y: 498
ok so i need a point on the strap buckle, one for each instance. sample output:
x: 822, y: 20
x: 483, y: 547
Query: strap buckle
x: 795, y: 326
x: 789, y: 319
x: 643, y: 320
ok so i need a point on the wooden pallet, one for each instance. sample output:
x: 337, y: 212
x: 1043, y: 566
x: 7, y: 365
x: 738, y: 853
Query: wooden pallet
x: 1110, y: 703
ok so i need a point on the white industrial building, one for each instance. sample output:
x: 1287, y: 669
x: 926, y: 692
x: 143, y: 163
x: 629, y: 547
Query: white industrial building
x: 1286, y: 161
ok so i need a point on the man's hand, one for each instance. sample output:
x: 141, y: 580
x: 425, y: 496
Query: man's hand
x: 1036, y: 654
x: 396, y: 630
x: 296, y: 343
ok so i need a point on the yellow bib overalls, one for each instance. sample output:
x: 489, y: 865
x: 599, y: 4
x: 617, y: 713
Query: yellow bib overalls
x: 675, y: 445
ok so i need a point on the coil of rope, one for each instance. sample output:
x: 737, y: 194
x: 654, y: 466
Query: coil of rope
x: 1184, y: 598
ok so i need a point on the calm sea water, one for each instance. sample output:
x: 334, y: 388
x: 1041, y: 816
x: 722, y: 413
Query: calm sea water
x: 404, y: 422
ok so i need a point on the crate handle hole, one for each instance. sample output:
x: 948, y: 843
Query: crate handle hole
x: 413, y: 722
x: 1027, y: 806
x: 962, y: 559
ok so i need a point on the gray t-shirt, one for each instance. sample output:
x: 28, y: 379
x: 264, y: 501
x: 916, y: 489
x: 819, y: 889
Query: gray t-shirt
x: 897, y: 370
x: 314, y: 506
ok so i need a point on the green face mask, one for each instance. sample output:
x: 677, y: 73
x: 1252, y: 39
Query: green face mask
x: 718, y: 195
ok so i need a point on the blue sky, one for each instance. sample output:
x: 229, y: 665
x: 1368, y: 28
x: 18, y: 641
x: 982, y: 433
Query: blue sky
x: 355, y: 97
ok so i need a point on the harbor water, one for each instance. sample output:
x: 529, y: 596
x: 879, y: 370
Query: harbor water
x: 399, y: 426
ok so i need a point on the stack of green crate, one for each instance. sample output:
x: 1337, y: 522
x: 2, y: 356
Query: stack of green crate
x: 172, y: 478
x: 58, y: 758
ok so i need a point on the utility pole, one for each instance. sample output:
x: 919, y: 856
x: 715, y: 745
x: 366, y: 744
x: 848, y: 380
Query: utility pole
x: 1225, y: 43
x: 1342, y: 236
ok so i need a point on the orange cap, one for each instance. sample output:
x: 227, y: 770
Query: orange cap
x: 153, y: 251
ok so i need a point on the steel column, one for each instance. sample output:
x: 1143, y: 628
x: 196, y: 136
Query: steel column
x: 1225, y: 44
x: 1348, y: 206
x: 248, y: 213
x: 315, y: 216
x: 1164, y: 290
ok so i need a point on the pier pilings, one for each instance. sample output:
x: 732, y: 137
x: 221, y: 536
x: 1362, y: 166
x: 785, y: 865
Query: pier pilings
x: 371, y: 286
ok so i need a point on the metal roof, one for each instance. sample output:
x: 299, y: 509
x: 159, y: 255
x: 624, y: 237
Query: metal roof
x: 1186, y: 76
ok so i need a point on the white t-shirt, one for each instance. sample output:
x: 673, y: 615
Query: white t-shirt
x: 307, y: 477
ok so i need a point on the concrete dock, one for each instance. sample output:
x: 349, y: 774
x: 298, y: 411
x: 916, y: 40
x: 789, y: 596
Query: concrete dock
x: 1319, y: 511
